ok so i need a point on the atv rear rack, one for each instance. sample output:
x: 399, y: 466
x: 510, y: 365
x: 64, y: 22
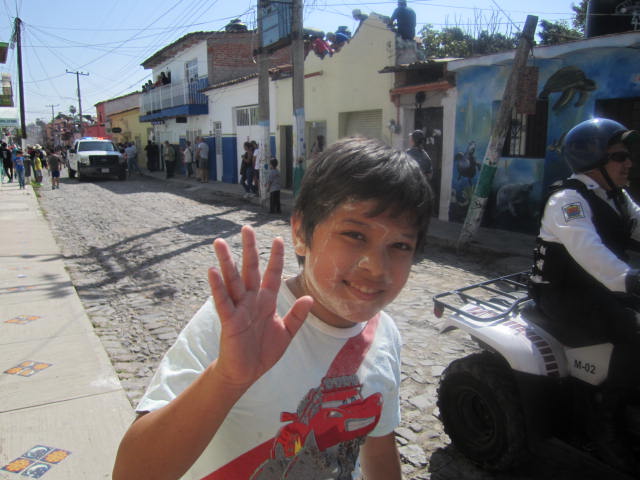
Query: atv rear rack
x: 497, y: 298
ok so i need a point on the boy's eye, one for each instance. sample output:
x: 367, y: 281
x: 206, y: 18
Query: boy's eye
x: 404, y: 246
x: 354, y: 235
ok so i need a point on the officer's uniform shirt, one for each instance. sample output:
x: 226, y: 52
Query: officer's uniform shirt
x: 567, y: 220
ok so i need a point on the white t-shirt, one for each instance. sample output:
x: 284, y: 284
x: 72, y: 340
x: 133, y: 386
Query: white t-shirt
x: 203, y: 150
x: 330, y: 411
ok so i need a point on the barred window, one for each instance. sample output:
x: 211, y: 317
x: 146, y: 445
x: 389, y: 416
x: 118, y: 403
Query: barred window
x: 527, y: 135
x: 247, y: 116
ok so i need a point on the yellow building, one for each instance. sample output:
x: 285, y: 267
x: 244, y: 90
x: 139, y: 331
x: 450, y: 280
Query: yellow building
x: 344, y: 94
x: 123, y: 125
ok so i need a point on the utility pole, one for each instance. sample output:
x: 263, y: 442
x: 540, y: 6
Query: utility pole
x: 297, y: 54
x: 52, y: 119
x: 77, y: 74
x: 263, y: 105
x: 17, y: 40
x: 498, y: 134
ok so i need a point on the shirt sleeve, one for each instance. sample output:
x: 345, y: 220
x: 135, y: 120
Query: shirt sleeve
x: 387, y: 378
x: 194, y: 350
x: 567, y: 220
x: 634, y: 213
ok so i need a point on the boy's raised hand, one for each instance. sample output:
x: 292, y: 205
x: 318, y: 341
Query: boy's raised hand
x: 254, y: 336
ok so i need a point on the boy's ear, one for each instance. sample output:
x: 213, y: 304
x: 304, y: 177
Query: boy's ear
x: 297, y: 235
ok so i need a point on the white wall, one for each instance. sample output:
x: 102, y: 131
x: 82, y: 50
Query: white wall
x: 222, y: 104
x: 176, y: 64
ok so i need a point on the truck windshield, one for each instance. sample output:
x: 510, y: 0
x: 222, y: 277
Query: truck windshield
x: 89, y: 146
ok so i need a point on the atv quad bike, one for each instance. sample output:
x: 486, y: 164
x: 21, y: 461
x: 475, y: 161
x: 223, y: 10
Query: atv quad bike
x: 525, y: 385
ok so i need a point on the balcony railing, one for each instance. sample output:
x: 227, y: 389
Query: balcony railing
x: 173, y: 95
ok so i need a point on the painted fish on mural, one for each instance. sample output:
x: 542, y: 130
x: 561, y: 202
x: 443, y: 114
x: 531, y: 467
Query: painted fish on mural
x: 571, y: 81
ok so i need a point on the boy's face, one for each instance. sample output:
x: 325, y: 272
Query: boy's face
x: 356, y: 264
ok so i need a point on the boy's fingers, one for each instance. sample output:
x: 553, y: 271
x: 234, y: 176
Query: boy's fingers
x: 250, y: 262
x: 224, y: 304
x: 230, y: 275
x: 295, y: 317
x: 273, y: 273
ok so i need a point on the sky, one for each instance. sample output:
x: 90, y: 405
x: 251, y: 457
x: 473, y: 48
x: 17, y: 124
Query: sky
x: 109, y: 39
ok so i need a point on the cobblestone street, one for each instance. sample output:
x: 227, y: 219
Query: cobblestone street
x: 137, y: 252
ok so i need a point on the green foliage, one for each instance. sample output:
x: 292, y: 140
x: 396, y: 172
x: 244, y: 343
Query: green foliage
x: 552, y: 33
x: 580, y: 19
x: 454, y: 42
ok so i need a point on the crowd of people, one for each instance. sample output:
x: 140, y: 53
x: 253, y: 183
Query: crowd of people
x: 21, y: 165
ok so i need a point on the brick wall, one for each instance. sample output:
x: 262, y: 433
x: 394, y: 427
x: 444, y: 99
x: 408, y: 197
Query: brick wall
x: 230, y: 56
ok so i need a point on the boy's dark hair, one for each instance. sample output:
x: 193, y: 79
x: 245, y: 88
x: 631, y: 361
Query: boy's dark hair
x: 363, y: 169
x: 273, y: 162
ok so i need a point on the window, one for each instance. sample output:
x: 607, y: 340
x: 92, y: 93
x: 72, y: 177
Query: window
x: 527, y: 136
x: 247, y: 116
x: 191, y: 70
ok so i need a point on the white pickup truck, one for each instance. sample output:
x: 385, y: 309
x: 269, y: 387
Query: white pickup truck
x: 96, y: 157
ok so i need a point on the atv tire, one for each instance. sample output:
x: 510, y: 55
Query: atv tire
x: 481, y: 411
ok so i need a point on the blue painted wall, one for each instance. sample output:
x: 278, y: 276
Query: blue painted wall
x: 230, y: 159
x: 520, y: 183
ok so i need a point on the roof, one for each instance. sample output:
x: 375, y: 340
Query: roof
x: 616, y: 40
x: 184, y: 42
x: 233, y: 81
x: 117, y: 98
x: 419, y: 65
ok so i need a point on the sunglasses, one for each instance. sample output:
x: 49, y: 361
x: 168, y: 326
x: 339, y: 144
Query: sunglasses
x: 619, y: 156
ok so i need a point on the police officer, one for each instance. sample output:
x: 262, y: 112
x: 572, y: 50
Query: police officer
x: 581, y: 276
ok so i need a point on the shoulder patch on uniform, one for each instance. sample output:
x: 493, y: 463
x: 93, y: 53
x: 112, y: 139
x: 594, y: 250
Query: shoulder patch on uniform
x: 573, y: 211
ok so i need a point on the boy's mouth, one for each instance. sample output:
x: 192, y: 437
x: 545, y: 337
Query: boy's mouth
x: 362, y: 289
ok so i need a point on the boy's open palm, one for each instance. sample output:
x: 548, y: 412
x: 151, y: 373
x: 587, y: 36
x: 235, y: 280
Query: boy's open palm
x: 254, y: 336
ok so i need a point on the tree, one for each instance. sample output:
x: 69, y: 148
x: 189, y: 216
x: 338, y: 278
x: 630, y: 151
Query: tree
x: 552, y: 33
x: 580, y: 20
x: 72, y: 110
x: 454, y: 42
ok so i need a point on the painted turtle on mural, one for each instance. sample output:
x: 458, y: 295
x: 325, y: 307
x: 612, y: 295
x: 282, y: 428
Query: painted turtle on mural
x: 570, y: 81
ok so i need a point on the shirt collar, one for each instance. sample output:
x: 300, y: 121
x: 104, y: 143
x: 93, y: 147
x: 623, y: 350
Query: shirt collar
x: 587, y: 180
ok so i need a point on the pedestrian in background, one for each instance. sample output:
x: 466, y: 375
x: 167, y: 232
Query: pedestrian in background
x: 7, y: 162
x: 419, y: 154
x: 246, y: 170
x: 257, y: 165
x: 28, y: 162
x: 132, y: 158
x: 273, y: 187
x: 153, y: 156
x: 19, y: 167
x: 202, y: 157
x: 37, y: 167
x: 187, y: 158
x: 54, y: 169
x: 169, y: 157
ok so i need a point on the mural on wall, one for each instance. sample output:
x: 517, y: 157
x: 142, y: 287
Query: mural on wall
x: 575, y: 86
x: 570, y: 81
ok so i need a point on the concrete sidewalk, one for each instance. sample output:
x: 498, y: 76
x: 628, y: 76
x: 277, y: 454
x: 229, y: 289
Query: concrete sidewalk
x: 62, y: 409
x: 489, y: 241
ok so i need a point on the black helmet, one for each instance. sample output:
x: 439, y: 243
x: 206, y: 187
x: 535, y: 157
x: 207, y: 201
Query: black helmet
x: 585, y: 146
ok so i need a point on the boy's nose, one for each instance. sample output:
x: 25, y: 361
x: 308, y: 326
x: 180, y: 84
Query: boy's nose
x: 374, y: 262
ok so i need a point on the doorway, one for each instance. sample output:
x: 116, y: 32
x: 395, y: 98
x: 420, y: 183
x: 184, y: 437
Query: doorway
x: 429, y: 120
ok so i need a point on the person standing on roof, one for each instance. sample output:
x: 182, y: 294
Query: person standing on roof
x: 405, y: 21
